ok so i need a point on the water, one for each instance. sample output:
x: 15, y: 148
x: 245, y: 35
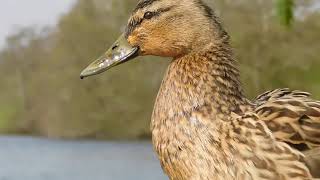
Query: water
x: 42, y: 159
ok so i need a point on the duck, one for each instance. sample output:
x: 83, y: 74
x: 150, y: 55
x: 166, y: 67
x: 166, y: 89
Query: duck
x: 203, y: 126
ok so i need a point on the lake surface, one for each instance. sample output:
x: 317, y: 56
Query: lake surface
x: 30, y: 158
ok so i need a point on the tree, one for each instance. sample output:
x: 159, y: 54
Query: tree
x: 41, y: 92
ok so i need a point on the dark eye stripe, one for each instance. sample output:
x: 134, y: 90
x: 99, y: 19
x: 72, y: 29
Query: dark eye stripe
x: 143, y: 4
x: 134, y: 23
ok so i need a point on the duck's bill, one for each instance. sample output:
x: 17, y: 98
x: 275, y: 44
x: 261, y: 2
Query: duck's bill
x: 121, y: 51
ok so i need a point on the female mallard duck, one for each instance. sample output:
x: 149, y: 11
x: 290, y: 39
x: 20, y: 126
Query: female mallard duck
x: 203, y: 127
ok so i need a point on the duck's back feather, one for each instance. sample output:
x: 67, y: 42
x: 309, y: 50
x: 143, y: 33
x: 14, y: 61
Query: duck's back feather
x: 272, y: 159
x: 292, y: 116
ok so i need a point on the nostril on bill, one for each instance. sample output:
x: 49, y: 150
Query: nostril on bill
x: 115, y: 47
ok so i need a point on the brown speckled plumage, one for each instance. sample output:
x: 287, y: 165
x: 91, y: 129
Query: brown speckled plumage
x: 292, y: 116
x: 203, y: 126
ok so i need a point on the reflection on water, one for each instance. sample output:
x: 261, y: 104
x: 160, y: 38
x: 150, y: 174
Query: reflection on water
x: 40, y: 159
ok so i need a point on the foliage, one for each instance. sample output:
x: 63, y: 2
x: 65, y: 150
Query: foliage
x: 285, y: 11
x: 42, y: 94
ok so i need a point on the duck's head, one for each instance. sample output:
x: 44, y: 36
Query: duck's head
x: 167, y: 28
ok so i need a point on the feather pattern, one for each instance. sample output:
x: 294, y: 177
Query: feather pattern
x: 292, y: 116
x: 203, y: 127
x: 220, y: 136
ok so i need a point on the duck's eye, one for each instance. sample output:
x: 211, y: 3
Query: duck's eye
x: 148, y: 15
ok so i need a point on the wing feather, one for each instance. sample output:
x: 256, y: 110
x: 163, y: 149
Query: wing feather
x: 292, y: 116
x: 272, y: 159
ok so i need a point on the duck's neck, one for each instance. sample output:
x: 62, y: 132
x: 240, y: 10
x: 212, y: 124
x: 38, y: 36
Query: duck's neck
x: 201, y: 78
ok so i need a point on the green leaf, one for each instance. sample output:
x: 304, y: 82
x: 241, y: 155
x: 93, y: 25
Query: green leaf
x: 285, y: 11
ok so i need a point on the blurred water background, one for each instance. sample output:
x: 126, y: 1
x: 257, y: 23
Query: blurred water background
x: 42, y: 159
x: 98, y: 127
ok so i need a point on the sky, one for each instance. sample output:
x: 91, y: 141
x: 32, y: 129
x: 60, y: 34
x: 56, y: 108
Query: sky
x: 21, y: 13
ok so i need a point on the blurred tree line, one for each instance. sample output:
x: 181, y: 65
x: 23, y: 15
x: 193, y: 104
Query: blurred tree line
x: 41, y: 93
